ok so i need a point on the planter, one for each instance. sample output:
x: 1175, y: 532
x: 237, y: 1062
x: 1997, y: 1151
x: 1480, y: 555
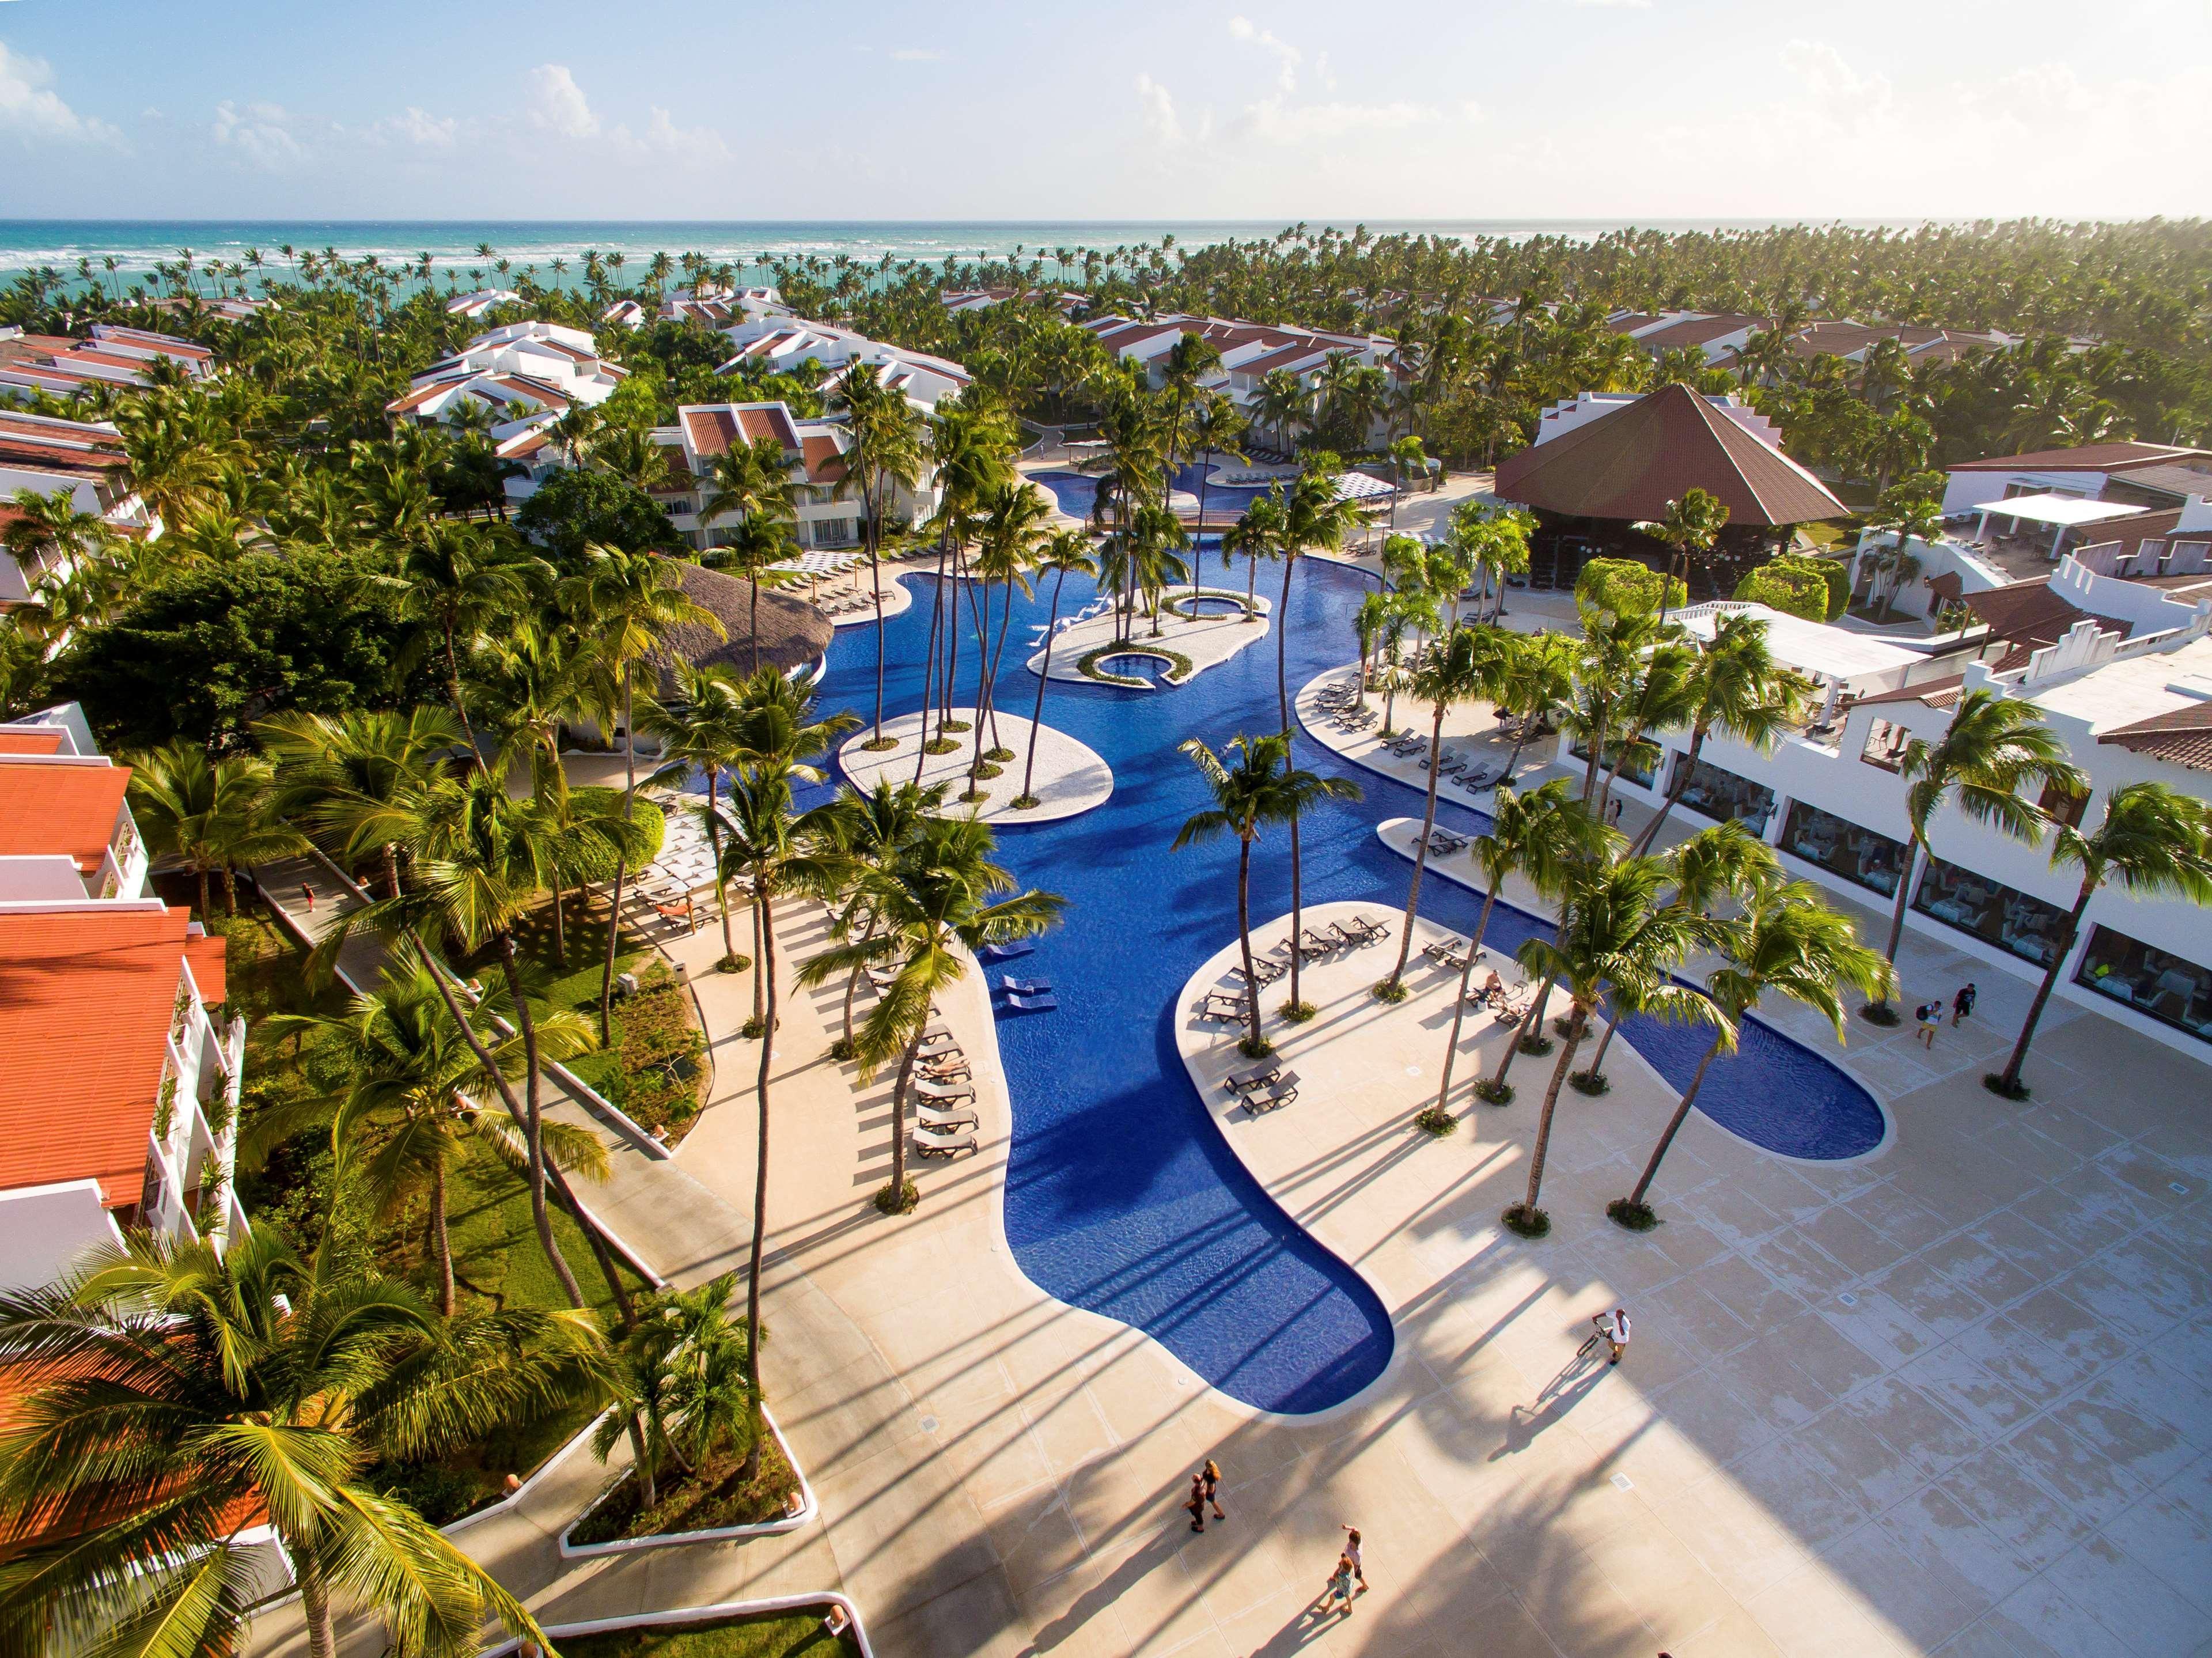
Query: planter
x: 682, y: 1616
x: 806, y: 1511
x: 1179, y: 668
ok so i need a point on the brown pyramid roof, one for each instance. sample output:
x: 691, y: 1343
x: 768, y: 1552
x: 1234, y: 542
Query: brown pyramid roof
x: 1631, y: 462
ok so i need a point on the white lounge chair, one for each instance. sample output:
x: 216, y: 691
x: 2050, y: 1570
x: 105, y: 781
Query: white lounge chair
x: 943, y: 1143
x: 960, y: 1117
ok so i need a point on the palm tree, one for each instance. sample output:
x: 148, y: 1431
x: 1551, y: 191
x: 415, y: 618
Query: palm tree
x: 1281, y: 403
x: 761, y: 543
x: 1063, y: 552
x: 1614, y: 929
x: 2156, y: 842
x: 1788, y: 940
x: 1541, y: 834
x: 1016, y: 514
x: 680, y: 1384
x: 886, y: 454
x: 1736, y: 688
x: 701, y: 728
x: 1215, y: 425
x: 934, y: 907
x: 1691, y: 527
x: 340, y: 773
x: 1662, y: 695
x: 212, y: 815
x: 1261, y: 787
x: 1257, y: 534
x: 1909, y: 513
x: 628, y: 603
x: 170, y: 1389
x: 1996, y: 746
x: 1535, y: 684
x: 407, y: 1115
x: 1460, y: 667
x: 870, y: 828
x: 46, y: 530
x: 462, y: 583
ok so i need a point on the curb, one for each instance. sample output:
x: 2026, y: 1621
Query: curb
x: 808, y: 1509
x: 717, y: 1610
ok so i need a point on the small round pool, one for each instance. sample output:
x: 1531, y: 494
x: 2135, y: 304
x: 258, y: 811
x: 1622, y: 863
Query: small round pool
x: 1210, y: 604
x: 1135, y: 664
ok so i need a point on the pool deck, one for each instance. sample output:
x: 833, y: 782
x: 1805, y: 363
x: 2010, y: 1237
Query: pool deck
x: 1071, y: 778
x: 1469, y: 727
x: 1999, y: 1443
x: 898, y: 597
x: 1207, y: 641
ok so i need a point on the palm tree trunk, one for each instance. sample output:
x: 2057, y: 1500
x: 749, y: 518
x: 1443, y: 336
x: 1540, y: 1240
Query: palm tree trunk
x: 440, y: 1241
x: 560, y: 933
x: 454, y: 691
x: 2063, y: 947
x: 898, y: 1119
x: 1612, y: 1029
x: 1674, y: 792
x: 1044, y: 676
x: 929, y: 665
x: 765, y: 922
x: 1459, y: 1006
x: 207, y: 895
x: 1590, y: 768
x: 622, y: 864
x: 982, y: 621
x: 1904, y: 879
x: 1551, y: 1104
x: 1420, y: 854
x: 230, y: 890
x: 876, y: 581
x: 314, y: 1602
x: 1197, y: 557
x: 1674, y: 1123
x: 1532, y: 1020
x: 952, y: 642
x: 760, y: 972
x: 752, y: 581
x: 1282, y: 702
x: 644, y: 1463
x: 1244, y: 941
x: 714, y: 841
x: 391, y: 868
x: 998, y: 656
x: 533, y: 1126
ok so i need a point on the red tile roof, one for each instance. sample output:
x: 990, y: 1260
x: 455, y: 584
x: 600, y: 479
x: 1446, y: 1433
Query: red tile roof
x: 2089, y: 458
x: 42, y: 740
x: 824, y: 462
x: 1630, y: 463
x: 2180, y: 736
x: 86, y: 998
x: 49, y: 809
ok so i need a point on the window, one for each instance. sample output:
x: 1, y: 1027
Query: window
x: 2014, y: 922
x: 1843, y: 847
x: 2166, y: 988
x: 1722, y: 796
x: 1644, y: 751
x: 2063, y: 805
x: 1885, y: 745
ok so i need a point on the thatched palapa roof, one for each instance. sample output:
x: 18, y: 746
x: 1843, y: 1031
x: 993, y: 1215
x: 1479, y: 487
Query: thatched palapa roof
x: 792, y: 633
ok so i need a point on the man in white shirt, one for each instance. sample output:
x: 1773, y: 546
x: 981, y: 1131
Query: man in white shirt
x: 1614, y: 1327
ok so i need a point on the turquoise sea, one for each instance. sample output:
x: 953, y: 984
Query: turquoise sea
x: 136, y: 244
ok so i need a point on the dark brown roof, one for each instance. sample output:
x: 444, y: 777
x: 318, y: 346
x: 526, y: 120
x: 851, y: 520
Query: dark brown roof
x: 793, y: 634
x: 2177, y: 478
x: 2030, y: 613
x: 2183, y: 736
x: 1631, y: 462
x: 1935, y: 693
x: 2089, y: 458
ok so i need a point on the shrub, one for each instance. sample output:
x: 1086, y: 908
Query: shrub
x: 1436, y: 1121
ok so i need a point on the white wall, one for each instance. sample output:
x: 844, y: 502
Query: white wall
x: 1964, y: 490
x: 44, y: 1229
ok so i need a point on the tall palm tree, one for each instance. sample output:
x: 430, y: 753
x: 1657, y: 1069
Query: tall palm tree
x: 1260, y: 787
x: 701, y: 728
x: 627, y: 603
x: 1541, y: 834
x: 170, y: 1390
x: 1214, y: 424
x: 1737, y: 688
x: 1996, y: 746
x: 1616, y: 928
x: 1461, y: 666
x: 934, y: 905
x: 1662, y: 695
x: 888, y: 434
x: 1016, y: 514
x: 46, y: 530
x: 2156, y: 842
x: 1691, y: 525
x: 870, y: 829
x: 407, y: 1114
x: 340, y: 773
x: 462, y: 583
x: 1257, y: 534
x: 213, y: 815
x: 761, y: 543
x: 1281, y: 403
x: 1063, y: 553
x: 1534, y: 685
x: 1786, y: 939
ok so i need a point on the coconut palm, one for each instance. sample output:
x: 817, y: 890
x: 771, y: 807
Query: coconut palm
x: 210, y: 814
x: 339, y: 773
x: 1282, y: 404
x: 1786, y: 940
x: 1693, y: 525
x: 407, y: 1113
x: 1063, y: 553
x: 1461, y: 666
x: 870, y: 828
x: 1540, y: 835
x: 169, y: 1390
x: 1615, y: 660
x: 680, y: 1384
x: 45, y: 531
x: 1662, y: 695
x: 1214, y: 424
x: 1257, y: 534
x: 934, y: 905
x: 460, y: 582
x: 1996, y: 746
x: 1014, y: 523
x: 701, y: 729
x: 756, y: 549
x: 886, y: 454
x: 1534, y: 685
x: 1737, y: 688
x: 1260, y: 787
x: 1909, y: 512
x: 1615, y: 928
x: 2156, y: 842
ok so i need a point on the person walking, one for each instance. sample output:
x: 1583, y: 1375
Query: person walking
x: 1930, y: 1015
x: 1210, y: 1482
x: 1962, y: 1005
x: 1351, y: 1553
x: 1195, y: 1507
x: 308, y: 893
x: 1339, y: 1587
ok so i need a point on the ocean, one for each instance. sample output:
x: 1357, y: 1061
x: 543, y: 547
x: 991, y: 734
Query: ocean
x: 136, y: 244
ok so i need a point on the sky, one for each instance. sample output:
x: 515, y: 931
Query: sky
x: 1252, y: 109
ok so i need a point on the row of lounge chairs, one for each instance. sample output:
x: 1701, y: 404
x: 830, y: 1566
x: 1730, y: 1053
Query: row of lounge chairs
x: 845, y: 603
x: 1443, y: 842
x: 1267, y: 1087
x: 944, y: 1089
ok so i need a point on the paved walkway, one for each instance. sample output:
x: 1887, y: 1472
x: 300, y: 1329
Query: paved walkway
x: 1941, y: 1399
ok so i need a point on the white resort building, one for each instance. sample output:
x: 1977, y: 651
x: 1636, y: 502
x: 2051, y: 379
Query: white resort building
x: 2122, y: 672
x: 780, y: 344
x: 119, y: 1101
x: 62, y: 367
x: 1250, y: 351
x: 828, y: 499
x: 48, y: 455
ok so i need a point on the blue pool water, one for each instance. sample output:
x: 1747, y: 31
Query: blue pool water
x: 1122, y: 1196
x: 1076, y: 493
x: 1134, y: 664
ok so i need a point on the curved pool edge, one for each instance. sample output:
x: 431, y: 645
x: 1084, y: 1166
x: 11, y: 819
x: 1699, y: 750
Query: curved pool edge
x: 1882, y: 1144
x: 1208, y: 976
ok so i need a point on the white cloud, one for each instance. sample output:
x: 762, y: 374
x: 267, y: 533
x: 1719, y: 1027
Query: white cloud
x: 1276, y: 122
x: 559, y: 104
x: 1288, y: 56
x: 663, y: 137
x: 917, y: 55
x: 32, y: 110
x: 1157, y: 108
x: 261, y: 134
x: 1826, y: 74
x: 419, y: 128
x: 1615, y: 5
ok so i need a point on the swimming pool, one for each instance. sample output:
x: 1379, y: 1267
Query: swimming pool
x: 1135, y: 664
x: 1076, y: 492
x: 1122, y: 1196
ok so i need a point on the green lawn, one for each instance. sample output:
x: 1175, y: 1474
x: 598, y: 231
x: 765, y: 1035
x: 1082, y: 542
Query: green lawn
x: 774, y: 1635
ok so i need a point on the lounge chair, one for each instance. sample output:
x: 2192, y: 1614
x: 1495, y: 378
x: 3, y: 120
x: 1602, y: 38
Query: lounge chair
x: 1220, y: 1004
x: 1368, y: 927
x: 1438, y: 949
x: 1274, y: 1095
x: 943, y: 1142
x: 929, y: 1117
x: 1243, y: 1082
x: 937, y: 1039
x: 1005, y: 952
x: 1042, y: 1002
x: 1263, y: 971
x: 944, y: 1092
x: 953, y: 1070
x: 1312, y: 945
x: 1351, y: 939
x: 1481, y: 777
x: 1026, y: 986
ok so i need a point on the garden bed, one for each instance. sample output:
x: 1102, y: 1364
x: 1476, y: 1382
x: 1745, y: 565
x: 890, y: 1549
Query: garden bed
x: 711, y: 1503
x: 785, y: 1627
